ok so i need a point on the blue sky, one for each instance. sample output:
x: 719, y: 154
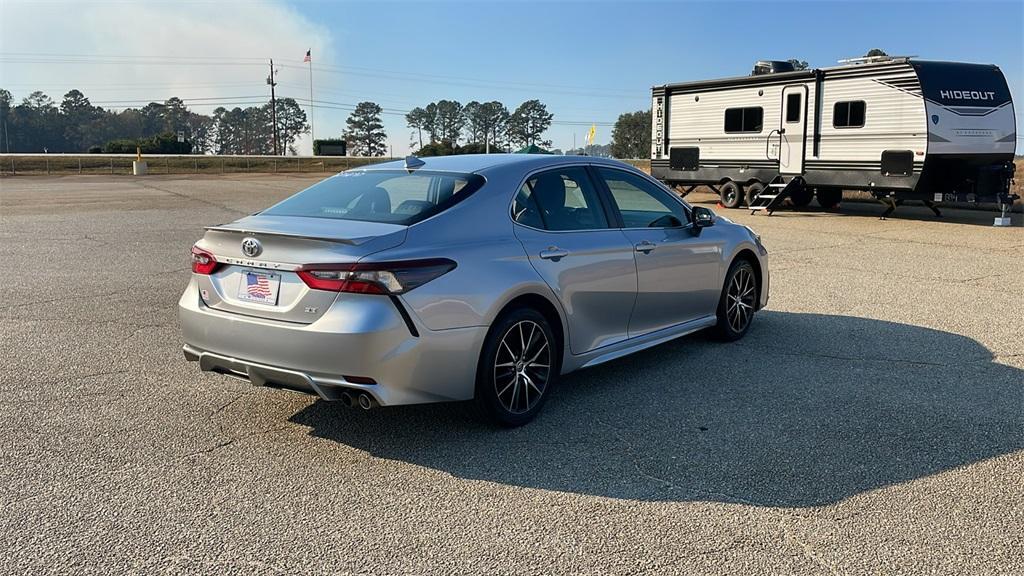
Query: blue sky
x: 588, y: 61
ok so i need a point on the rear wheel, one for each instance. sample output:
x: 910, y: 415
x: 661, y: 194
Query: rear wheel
x: 829, y: 198
x: 738, y: 302
x: 517, y: 368
x: 753, y: 189
x: 802, y: 196
x: 731, y: 194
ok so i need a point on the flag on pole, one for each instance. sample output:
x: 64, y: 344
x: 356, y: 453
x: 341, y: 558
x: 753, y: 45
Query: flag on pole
x: 590, y: 134
x: 308, y: 58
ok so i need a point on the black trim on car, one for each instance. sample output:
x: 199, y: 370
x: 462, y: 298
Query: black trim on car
x: 605, y: 195
x: 405, y: 315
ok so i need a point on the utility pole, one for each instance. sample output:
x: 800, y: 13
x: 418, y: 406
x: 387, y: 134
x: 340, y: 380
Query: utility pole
x: 273, y: 104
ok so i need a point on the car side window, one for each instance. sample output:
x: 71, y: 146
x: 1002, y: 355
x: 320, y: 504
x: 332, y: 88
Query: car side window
x: 641, y: 203
x: 562, y: 199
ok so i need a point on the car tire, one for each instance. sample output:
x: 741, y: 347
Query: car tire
x: 518, y: 367
x: 738, y: 302
x: 753, y: 189
x: 731, y: 194
x: 829, y: 198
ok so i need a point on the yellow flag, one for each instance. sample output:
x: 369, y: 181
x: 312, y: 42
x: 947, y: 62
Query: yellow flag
x: 590, y: 134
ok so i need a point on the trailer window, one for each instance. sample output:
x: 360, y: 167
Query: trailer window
x: 744, y: 119
x: 848, y: 114
x: 793, y: 108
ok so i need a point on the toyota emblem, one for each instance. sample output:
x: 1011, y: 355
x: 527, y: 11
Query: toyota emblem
x: 251, y: 247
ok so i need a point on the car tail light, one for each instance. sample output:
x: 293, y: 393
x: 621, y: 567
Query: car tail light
x: 374, y: 277
x: 202, y: 261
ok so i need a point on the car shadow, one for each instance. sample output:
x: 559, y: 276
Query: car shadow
x: 807, y: 410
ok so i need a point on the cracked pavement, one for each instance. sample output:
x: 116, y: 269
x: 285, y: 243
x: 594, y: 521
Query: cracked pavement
x: 872, y: 422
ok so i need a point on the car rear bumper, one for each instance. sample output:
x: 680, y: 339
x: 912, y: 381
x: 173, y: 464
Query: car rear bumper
x: 360, y: 337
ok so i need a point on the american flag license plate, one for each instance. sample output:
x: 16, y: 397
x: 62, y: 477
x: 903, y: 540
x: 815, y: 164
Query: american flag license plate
x: 259, y: 287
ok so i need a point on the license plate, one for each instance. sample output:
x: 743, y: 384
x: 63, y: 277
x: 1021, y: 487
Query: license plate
x: 261, y: 287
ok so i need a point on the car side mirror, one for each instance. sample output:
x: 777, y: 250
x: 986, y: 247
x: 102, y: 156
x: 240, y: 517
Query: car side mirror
x: 702, y: 218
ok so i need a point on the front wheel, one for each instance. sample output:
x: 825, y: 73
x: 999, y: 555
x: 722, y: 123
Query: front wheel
x: 738, y: 302
x: 517, y: 368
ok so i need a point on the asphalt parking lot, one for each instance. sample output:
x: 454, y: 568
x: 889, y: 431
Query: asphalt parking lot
x: 871, y: 422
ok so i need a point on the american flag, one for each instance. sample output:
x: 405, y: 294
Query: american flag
x: 257, y: 285
x: 308, y: 58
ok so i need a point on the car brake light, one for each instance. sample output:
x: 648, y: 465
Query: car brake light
x: 203, y: 262
x: 374, y: 277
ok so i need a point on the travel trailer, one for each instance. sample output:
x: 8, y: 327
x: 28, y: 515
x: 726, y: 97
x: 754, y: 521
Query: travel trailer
x: 897, y: 127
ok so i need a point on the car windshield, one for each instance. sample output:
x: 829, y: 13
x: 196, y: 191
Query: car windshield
x: 391, y: 196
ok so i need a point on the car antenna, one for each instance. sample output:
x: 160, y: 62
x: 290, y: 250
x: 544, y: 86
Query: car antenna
x: 412, y: 163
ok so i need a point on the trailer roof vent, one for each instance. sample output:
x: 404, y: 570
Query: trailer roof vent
x: 874, y: 59
x: 771, y: 67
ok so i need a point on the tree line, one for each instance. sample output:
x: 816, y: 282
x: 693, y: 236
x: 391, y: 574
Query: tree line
x: 449, y: 127
x: 75, y: 125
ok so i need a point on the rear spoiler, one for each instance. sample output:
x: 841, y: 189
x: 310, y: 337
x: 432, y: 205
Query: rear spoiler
x: 282, y: 234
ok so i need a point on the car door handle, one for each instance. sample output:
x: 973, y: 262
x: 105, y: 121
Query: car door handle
x: 645, y: 247
x: 553, y: 253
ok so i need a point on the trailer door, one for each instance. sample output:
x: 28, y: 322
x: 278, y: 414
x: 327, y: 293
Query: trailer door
x: 793, y: 131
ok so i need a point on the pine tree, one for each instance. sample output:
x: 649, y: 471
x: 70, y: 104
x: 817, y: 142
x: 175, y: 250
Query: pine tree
x: 365, y: 133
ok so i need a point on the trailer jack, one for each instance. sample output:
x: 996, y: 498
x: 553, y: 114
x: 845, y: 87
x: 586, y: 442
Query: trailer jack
x: 892, y: 203
x: 1005, y: 205
x: 890, y: 206
x: 684, y: 191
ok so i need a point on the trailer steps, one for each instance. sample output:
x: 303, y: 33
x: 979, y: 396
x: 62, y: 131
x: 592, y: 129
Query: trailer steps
x: 775, y: 193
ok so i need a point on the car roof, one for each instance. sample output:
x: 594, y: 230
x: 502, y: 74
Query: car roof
x: 470, y: 163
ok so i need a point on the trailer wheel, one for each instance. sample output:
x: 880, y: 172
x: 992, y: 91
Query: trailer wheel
x: 731, y: 194
x: 801, y: 196
x: 753, y: 189
x: 829, y: 198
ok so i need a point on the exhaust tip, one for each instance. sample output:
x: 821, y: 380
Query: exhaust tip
x: 347, y: 400
x: 365, y: 402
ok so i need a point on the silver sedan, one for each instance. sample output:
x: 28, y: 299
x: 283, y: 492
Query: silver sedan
x: 479, y: 277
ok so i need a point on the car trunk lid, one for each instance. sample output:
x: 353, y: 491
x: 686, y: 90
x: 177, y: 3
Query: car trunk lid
x: 262, y: 282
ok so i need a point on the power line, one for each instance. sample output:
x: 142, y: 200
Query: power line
x: 62, y: 58
x: 131, y: 56
x: 474, y: 84
x: 415, y: 77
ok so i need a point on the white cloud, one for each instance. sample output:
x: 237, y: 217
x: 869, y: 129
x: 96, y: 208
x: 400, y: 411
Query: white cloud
x: 223, y: 32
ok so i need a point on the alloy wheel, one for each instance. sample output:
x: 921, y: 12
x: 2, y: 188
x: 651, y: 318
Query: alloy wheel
x: 740, y: 299
x: 522, y: 367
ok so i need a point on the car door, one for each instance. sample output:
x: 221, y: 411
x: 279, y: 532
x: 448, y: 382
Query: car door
x: 678, y: 272
x: 563, y: 224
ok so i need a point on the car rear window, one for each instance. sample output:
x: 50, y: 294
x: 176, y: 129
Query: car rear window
x: 392, y: 196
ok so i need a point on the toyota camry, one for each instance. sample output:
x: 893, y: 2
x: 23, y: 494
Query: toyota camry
x: 476, y: 277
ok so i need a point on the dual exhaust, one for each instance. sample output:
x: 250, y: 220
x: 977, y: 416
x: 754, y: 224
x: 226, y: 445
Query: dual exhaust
x: 361, y: 400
